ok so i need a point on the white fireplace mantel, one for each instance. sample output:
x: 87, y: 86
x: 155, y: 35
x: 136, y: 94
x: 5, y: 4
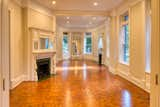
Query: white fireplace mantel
x: 37, y: 51
x: 40, y: 55
x: 44, y: 51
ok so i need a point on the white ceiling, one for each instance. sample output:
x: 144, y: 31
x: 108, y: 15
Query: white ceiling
x: 80, y: 22
x: 83, y: 5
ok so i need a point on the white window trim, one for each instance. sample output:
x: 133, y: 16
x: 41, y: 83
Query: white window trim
x: 124, y: 63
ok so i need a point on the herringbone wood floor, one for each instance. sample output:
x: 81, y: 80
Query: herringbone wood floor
x: 79, y: 84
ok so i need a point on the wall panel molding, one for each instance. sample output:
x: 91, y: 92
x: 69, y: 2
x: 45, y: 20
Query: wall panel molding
x: 134, y: 80
x: 18, y: 80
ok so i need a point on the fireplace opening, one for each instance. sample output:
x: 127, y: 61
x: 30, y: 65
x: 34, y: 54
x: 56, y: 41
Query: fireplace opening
x: 43, y: 68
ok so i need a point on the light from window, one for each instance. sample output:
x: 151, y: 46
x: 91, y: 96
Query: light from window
x: 100, y: 42
x: 46, y: 43
x: 148, y: 37
x: 88, y: 43
x: 108, y: 46
x: 124, y: 40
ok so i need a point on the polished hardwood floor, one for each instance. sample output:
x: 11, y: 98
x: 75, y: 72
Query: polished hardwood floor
x: 79, y: 84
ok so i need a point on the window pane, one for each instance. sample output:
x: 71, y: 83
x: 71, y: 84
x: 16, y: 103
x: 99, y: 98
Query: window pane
x: 126, y: 18
x: 47, y: 43
x: 126, y: 44
x: 65, y: 46
x: 88, y: 43
x: 89, y: 40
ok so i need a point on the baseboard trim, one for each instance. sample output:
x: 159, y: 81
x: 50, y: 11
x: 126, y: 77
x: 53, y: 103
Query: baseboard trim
x: 112, y: 70
x: 135, y: 81
x: 16, y: 81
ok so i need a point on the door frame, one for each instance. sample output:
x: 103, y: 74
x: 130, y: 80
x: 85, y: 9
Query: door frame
x: 4, y: 26
x: 155, y: 54
x: 1, y: 54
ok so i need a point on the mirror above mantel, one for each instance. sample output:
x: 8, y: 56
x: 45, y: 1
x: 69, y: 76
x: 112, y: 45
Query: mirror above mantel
x: 43, y: 40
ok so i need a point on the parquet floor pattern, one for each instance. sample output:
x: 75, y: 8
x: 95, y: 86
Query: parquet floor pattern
x: 79, y: 84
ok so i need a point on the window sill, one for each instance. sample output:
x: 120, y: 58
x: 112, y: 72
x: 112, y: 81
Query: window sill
x: 87, y: 53
x: 147, y: 72
x: 124, y: 63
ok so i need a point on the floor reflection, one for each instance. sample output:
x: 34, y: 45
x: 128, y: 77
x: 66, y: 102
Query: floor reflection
x: 126, y: 99
x: 79, y: 84
x: 84, y: 71
x: 68, y: 98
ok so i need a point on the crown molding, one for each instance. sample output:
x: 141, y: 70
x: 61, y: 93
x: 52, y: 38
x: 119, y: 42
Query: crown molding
x: 80, y: 13
x: 133, y: 3
x: 82, y: 29
x: 18, y: 2
x: 31, y: 4
x: 123, y: 7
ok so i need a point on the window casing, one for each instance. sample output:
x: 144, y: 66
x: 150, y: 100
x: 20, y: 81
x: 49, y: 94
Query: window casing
x: 108, y: 46
x: 88, y: 43
x: 124, y: 39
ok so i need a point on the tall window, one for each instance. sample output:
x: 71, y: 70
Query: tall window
x: 88, y: 43
x: 65, y: 45
x: 124, y: 39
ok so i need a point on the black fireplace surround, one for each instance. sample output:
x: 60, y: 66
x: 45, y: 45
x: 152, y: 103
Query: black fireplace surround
x: 43, y: 68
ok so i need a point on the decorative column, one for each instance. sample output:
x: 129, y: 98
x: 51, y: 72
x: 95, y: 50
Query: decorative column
x: 35, y: 76
x: 53, y: 64
x: 113, y: 45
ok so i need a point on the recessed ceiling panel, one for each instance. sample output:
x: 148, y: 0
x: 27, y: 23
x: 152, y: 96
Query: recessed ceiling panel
x: 80, y: 22
x: 82, y: 5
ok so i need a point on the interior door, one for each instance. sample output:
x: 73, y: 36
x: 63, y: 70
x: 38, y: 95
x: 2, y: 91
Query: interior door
x: 4, y: 54
x: 155, y: 54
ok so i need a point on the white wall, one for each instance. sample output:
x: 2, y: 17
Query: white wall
x: 16, y: 43
x: 34, y: 19
x: 21, y: 19
x: 137, y: 42
x: 135, y: 71
x: 113, y: 59
x: 29, y: 17
x: 39, y: 20
x: 59, y: 34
